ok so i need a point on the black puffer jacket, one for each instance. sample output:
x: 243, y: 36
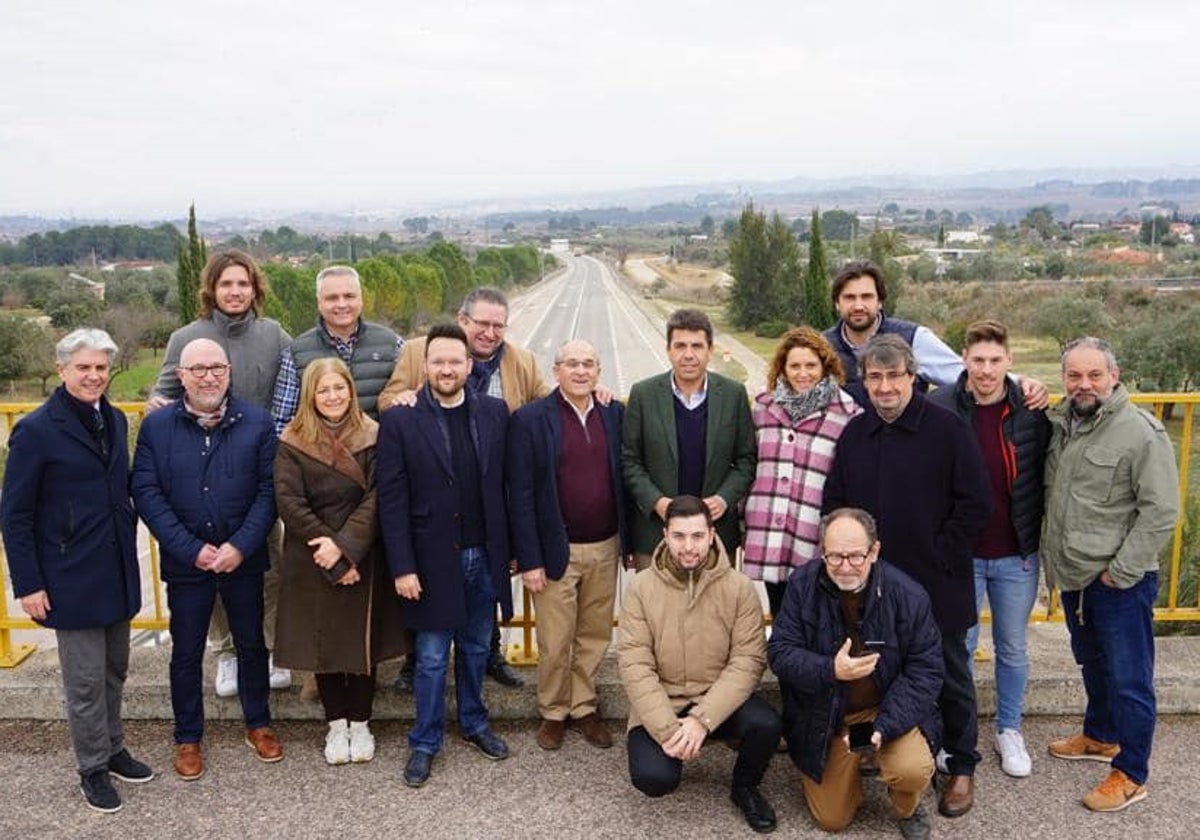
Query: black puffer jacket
x: 807, y: 635
x: 1026, y: 436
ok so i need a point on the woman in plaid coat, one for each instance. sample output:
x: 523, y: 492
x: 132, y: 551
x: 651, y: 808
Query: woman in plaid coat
x: 797, y: 423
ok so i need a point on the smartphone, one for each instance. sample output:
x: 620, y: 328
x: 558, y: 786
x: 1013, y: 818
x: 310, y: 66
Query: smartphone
x: 860, y: 737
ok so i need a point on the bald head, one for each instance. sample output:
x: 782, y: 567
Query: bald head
x: 204, y: 371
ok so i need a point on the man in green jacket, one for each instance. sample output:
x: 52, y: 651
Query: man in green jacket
x: 687, y: 432
x: 1111, y: 503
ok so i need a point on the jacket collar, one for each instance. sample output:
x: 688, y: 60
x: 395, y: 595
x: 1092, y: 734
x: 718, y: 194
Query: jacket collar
x: 337, y: 449
x: 1061, y: 414
x: 909, y: 419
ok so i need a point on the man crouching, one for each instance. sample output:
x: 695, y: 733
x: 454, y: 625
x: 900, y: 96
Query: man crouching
x: 691, y: 651
x: 859, y: 660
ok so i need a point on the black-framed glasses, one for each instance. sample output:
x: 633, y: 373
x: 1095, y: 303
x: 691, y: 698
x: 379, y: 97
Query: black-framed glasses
x: 200, y: 371
x: 854, y: 558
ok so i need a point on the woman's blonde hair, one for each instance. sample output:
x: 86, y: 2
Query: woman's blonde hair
x: 307, y: 424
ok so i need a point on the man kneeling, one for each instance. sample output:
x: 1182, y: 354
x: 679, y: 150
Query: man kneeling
x: 691, y: 651
x: 859, y: 661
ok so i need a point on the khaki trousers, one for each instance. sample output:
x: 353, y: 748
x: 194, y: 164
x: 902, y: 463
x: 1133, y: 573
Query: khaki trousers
x: 574, y: 627
x: 219, y: 637
x: 905, y: 766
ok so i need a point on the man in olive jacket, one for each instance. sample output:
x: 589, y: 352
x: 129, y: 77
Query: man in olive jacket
x: 687, y: 432
x: 691, y: 651
x: 1111, y: 505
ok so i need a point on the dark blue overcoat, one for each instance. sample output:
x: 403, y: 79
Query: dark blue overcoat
x: 69, y: 526
x: 418, y: 504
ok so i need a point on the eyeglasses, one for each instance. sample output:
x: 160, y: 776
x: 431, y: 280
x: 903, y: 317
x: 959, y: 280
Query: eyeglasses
x: 200, y: 371
x: 854, y: 558
x: 889, y: 376
x: 494, y: 326
x: 576, y: 364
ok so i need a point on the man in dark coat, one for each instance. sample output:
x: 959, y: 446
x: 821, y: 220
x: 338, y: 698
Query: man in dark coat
x: 568, y: 523
x: 442, y: 513
x: 203, y: 480
x: 855, y: 644
x: 70, y: 536
x: 917, y: 469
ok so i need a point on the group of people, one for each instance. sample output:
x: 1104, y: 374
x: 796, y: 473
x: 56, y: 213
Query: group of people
x: 391, y: 488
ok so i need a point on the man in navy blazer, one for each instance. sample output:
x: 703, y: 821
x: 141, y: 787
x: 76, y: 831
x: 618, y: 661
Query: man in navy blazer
x: 567, y: 508
x: 70, y: 535
x: 442, y: 513
x: 687, y: 432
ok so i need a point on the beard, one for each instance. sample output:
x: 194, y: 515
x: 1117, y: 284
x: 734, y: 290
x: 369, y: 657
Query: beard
x: 1086, y: 410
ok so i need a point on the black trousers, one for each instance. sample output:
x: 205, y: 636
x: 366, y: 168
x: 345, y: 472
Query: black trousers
x: 348, y: 696
x: 775, y: 596
x: 755, y: 722
x: 960, y: 715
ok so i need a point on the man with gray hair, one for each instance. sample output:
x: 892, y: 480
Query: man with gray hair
x: 369, y: 350
x: 70, y: 533
x: 1112, y: 499
x: 916, y: 467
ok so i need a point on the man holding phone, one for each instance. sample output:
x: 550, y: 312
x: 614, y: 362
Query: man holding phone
x: 859, y: 660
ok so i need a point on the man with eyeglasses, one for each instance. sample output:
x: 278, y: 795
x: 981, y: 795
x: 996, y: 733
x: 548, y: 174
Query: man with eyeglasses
x: 203, y: 483
x: 916, y: 467
x: 233, y: 292
x: 857, y: 651
x: 499, y: 368
x: 567, y: 511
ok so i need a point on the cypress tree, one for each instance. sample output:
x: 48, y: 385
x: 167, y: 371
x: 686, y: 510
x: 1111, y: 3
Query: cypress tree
x: 190, y: 258
x: 818, y: 306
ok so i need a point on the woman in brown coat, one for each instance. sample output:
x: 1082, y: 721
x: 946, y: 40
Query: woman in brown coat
x: 338, y: 613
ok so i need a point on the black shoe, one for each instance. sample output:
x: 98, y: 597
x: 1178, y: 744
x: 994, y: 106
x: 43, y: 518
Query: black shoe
x: 416, y: 771
x: 488, y: 743
x: 128, y: 769
x: 758, y: 812
x: 503, y: 673
x: 916, y: 827
x: 98, y: 792
x: 404, y: 680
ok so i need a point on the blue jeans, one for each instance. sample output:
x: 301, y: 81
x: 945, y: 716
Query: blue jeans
x: 191, y: 602
x: 471, y: 645
x: 1010, y: 584
x: 1112, y: 637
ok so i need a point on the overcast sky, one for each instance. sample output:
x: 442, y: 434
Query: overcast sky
x: 114, y: 107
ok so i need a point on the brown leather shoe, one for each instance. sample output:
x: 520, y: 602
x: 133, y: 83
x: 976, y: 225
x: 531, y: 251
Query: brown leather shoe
x: 550, y: 734
x: 958, y: 795
x: 594, y: 731
x: 266, y: 745
x: 189, y: 762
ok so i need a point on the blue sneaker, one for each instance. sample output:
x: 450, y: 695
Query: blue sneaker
x: 488, y: 743
x: 416, y: 771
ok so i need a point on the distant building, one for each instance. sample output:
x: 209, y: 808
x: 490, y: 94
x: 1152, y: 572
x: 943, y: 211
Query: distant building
x: 560, y: 246
x: 92, y: 287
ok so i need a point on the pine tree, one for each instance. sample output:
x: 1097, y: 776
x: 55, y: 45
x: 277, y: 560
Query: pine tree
x: 753, y: 298
x: 818, y: 306
x: 191, y: 255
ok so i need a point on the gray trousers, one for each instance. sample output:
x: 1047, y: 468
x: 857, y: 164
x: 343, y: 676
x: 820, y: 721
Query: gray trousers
x: 94, y: 664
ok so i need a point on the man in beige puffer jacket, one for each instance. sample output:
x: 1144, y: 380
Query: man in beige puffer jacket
x: 691, y: 651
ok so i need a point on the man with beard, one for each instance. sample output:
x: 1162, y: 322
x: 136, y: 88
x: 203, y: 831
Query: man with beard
x: 203, y: 481
x: 443, y: 516
x: 856, y: 650
x: 1111, y: 505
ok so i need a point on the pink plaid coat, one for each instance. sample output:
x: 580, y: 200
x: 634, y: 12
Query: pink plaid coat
x: 783, y: 508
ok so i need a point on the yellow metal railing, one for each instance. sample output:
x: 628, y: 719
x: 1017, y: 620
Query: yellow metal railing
x: 525, y: 651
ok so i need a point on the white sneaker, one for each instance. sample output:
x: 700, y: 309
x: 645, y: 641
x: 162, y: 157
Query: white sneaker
x: 940, y: 760
x: 337, y: 743
x: 279, y: 677
x: 362, y: 742
x: 226, y: 682
x: 1014, y: 759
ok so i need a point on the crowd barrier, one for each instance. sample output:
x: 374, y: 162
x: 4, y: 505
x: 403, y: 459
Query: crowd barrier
x: 524, y: 652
